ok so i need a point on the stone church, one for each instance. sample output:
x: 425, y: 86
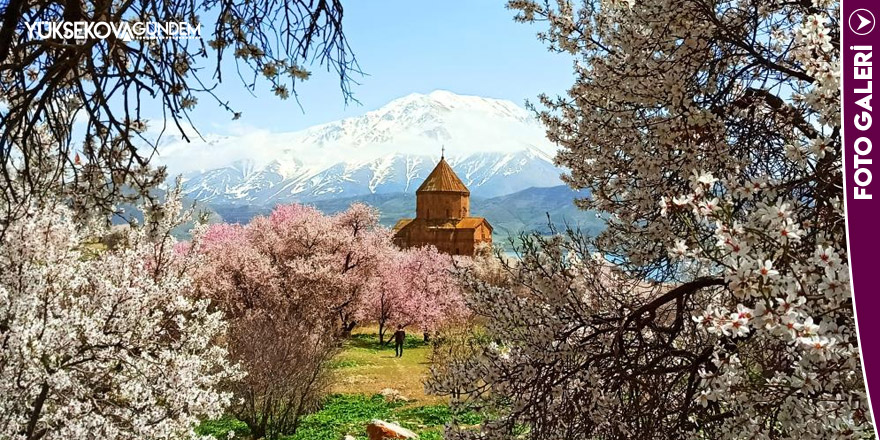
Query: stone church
x: 443, y: 216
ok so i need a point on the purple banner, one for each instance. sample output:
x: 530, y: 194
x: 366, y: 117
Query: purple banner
x: 862, y: 192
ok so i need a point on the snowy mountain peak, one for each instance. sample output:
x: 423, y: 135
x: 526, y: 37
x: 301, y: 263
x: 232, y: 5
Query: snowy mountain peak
x: 446, y: 101
x: 438, y: 116
x: 495, y: 146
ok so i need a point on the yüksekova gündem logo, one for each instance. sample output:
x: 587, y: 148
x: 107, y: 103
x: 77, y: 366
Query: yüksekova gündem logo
x: 125, y: 31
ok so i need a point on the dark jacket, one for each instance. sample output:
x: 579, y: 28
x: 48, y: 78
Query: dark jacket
x: 399, y: 337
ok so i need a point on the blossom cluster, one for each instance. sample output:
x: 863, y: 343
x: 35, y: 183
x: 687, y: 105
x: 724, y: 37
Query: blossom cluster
x: 413, y: 287
x: 707, y: 135
x: 105, y: 343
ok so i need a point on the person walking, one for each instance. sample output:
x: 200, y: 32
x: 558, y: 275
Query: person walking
x: 399, y: 339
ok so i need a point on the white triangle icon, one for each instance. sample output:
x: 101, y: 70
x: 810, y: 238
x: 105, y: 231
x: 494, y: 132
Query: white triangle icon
x: 862, y: 21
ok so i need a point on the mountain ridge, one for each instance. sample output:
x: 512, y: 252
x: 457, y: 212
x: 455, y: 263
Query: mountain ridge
x: 495, y: 146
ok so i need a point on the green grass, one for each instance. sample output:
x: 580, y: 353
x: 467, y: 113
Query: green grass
x: 348, y: 414
x: 370, y: 341
x: 438, y: 415
x: 346, y: 363
x: 366, y: 367
x: 344, y: 414
x: 220, y: 428
x: 361, y: 370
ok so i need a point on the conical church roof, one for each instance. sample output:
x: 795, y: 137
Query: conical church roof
x: 443, y: 179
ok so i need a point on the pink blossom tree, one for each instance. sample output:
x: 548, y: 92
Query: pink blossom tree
x: 368, y: 245
x: 287, y: 283
x: 414, y: 287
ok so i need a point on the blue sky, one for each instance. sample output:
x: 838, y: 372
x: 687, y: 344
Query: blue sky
x: 467, y: 47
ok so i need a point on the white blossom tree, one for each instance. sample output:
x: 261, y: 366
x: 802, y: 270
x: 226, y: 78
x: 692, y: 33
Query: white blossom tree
x: 104, y: 343
x: 709, y: 134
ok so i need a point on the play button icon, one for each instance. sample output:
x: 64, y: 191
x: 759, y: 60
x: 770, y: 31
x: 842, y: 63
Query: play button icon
x: 861, y: 22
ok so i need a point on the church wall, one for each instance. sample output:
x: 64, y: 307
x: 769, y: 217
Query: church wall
x: 482, y: 234
x: 439, y: 205
x: 450, y: 241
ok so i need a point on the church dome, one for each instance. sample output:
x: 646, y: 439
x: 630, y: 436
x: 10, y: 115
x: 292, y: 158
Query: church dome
x: 443, y: 179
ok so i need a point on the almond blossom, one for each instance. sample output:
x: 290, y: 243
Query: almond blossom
x: 104, y: 343
x: 413, y: 288
x: 698, y: 126
x: 290, y: 285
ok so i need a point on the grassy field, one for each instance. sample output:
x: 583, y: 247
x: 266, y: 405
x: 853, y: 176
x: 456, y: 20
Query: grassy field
x: 365, y: 367
x: 348, y: 414
x: 361, y: 371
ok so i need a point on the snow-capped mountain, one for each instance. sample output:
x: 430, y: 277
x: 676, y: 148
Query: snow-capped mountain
x: 495, y: 146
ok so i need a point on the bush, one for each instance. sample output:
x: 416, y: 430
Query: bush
x: 454, y: 345
x: 370, y: 342
x: 220, y: 428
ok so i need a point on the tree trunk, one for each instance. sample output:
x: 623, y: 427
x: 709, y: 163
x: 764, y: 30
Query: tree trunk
x: 381, y: 333
x: 31, y: 434
x: 258, y: 431
x: 347, y: 327
x: 427, y: 337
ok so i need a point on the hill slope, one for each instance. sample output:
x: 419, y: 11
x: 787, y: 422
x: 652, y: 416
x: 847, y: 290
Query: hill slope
x: 510, y: 214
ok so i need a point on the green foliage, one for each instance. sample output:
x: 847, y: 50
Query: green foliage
x: 437, y: 415
x: 220, y: 428
x: 431, y: 435
x: 348, y: 414
x: 371, y: 341
x: 343, y: 414
x: 345, y: 363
